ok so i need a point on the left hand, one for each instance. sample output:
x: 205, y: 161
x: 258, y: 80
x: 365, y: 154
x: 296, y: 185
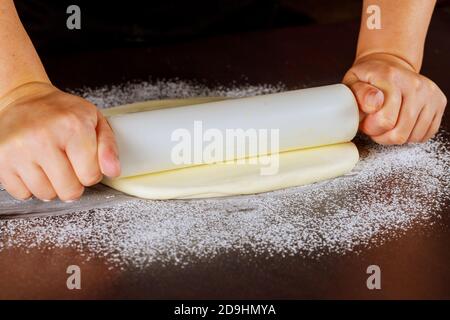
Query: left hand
x: 398, y: 105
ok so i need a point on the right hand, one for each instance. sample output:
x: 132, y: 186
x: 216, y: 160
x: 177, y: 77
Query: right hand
x: 53, y: 144
x: 398, y: 104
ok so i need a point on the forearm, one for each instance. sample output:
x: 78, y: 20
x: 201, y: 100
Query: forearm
x: 404, y: 25
x: 19, y: 61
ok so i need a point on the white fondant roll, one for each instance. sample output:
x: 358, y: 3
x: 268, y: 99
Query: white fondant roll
x: 305, y: 118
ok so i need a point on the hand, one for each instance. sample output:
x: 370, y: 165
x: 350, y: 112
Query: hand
x: 53, y: 144
x: 398, y: 105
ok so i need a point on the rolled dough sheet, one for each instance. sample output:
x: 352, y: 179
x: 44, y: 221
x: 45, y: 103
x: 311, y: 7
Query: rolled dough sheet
x: 296, y: 168
x: 315, y: 126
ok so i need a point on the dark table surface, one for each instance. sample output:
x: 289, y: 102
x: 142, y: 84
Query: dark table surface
x: 415, y: 265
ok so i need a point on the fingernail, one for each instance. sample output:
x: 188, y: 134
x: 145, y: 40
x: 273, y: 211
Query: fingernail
x: 45, y: 200
x: 71, y: 201
x: 24, y: 200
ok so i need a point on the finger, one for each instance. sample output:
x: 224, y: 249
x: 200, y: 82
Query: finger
x: 15, y: 186
x: 82, y: 153
x: 385, y: 119
x: 439, y: 103
x: 37, y: 182
x: 370, y: 99
x: 409, y: 114
x: 423, y: 124
x: 349, y: 79
x: 108, y: 156
x: 62, y: 176
x: 434, y: 127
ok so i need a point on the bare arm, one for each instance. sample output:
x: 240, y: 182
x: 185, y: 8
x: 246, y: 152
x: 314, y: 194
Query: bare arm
x: 19, y: 62
x: 398, y: 104
x: 403, y: 30
x: 52, y: 144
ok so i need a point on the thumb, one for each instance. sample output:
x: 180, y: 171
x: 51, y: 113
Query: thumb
x: 370, y: 99
x: 108, y: 155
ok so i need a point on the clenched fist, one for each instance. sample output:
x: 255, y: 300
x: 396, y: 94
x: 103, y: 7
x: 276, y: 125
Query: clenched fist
x: 53, y: 144
x: 397, y: 104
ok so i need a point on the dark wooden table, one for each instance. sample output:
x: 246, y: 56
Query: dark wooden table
x: 415, y: 265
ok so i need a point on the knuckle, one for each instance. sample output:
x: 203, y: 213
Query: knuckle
x: 22, y: 196
x: 417, y: 84
x: 40, y: 132
x: 386, y: 123
x: 92, y: 179
x: 87, y: 110
x: 433, y: 87
x: 72, y: 122
x: 412, y: 112
x: 45, y: 195
x: 398, y: 137
x: 382, y: 141
x: 39, y: 137
x: 18, y: 193
x: 396, y: 99
x: 72, y: 194
x: 90, y: 107
x: 434, y: 131
x: 443, y: 100
x: 414, y: 139
x: 390, y: 72
x: 435, y: 91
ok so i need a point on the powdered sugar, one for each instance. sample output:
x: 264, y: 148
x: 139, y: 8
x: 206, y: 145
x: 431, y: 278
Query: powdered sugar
x: 391, y: 190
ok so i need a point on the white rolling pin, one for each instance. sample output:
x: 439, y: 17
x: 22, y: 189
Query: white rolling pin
x: 305, y: 118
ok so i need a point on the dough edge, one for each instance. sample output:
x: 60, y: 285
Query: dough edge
x: 297, y: 168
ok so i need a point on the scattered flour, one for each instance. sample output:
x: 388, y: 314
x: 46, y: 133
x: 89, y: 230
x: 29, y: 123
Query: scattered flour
x: 105, y: 97
x: 391, y: 190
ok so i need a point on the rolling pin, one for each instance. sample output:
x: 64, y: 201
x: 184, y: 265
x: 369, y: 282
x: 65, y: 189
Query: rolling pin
x: 305, y: 118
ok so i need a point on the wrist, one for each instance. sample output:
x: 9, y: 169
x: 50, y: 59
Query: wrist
x: 385, y: 56
x: 25, y: 90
